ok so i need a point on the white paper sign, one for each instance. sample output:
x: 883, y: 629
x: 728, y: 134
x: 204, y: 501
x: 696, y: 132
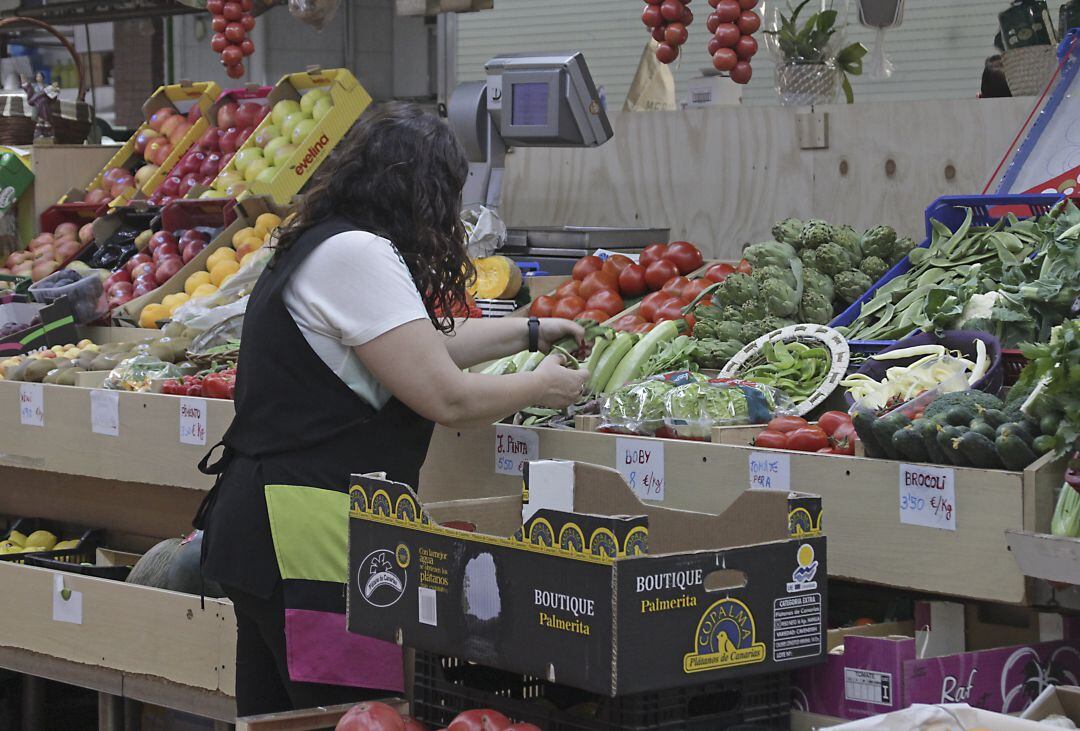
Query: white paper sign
x: 192, y: 421
x: 606, y: 254
x: 31, y: 404
x: 514, y: 447
x: 66, y: 604
x: 928, y: 496
x: 105, y: 412
x: 641, y: 462
x: 770, y: 471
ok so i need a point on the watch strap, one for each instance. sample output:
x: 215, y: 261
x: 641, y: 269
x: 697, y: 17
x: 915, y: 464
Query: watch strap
x: 534, y: 334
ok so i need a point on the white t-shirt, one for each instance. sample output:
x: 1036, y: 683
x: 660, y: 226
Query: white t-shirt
x: 351, y: 289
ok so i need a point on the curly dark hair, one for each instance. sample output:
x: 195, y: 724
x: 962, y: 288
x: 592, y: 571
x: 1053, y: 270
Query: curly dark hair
x: 398, y: 173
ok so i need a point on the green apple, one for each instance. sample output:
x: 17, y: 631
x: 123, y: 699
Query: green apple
x: 211, y: 193
x: 245, y: 157
x: 227, y: 178
x: 307, y: 101
x: 290, y: 123
x: 266, y: 134
x: 283, y: 153
x: 322, y: 107
x: 255, y: 167
x: 234, y: 190
x: 273, y: 145
x: 283, y: 109
x: 267, y: 175
x: 302, y: 130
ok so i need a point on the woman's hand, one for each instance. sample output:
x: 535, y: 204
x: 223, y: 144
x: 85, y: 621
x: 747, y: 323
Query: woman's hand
x: 561, y: 385
x: 554, y: 329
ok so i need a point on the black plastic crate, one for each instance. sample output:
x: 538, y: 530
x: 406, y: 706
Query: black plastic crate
x: 445, y: 686
x: 85, y: 568
x: 84, y: 552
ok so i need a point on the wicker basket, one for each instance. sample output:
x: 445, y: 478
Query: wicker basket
x: 16, y: 120
x: 71, y: 121
x: 1028, y: 70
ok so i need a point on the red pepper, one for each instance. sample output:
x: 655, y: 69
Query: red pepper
x: 194, y: 389
x: 215, y: 385
x: 174, y: 387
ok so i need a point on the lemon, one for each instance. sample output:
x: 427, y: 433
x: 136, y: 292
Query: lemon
x: 17, y: 538
x: 66, y: 545
x: 204, y: 290
x: 266, y: 223
x: 151, y: 314
x: 42, y: 538
x: 221, y: 270
x: 173, y: 301
x: 225, y: 253
x: 195, y: 280
x: 243, y: 234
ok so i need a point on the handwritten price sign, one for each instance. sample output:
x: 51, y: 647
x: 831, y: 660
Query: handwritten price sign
x: 928, y: 496
x: 192, y: 421
x: 31, y: 404
x: 514, y: 447
x: 641, y: 462
x: 770, y: 471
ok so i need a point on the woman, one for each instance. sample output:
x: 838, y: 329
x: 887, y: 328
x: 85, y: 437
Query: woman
x: 345, y: 364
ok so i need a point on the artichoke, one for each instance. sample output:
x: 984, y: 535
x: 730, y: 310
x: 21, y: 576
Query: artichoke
x: 809, y: 258
x: 879, y: 241
x: 768, y: 253
x: 751, y: 331
x: 874, y: 267
x: 714, y: 353
x: 851, y: 284
x: 814, y: 308
x: 815, y: 233
x: 779, y: 298
x: 901, y: 249
x: 815, y: 281
x: 718, y: 329
x: 771, y: 271
x: 752, y: 310
x: 831, y: 258
x: 788, y: 231
x: 847, y: 237
x: 736, y: 289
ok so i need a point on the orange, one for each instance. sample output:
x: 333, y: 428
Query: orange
x: 221, y: 270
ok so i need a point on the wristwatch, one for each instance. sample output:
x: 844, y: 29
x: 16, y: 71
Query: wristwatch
x: 534, y: 334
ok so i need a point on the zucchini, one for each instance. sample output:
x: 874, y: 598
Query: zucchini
x: 927, y: 430
x: 982, y: 427
x: 1043, y: 444
x: 959, y: 416
x: 629, y: 368
x: 978, y: 450
x: 1014, y: 453
x: 863, y: 421
x: 885, y: 427
x: 609, y: 361
x: 947, y: 439
x: 909, y: 443
x: 598, y: 348
x: 530, y: 364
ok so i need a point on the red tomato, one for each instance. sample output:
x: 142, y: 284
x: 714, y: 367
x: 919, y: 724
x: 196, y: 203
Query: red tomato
x: 787, y: 423
x: 671, y: 310
x: 586, y: 265
x: 748, y: 22
x: 746, y: 47
x: 632, y: 281
x: 719, y: 272
x: 411, y: 724
x: 742, y: 72
x: 658, y: 273
x: 770, y: 439
x: 597, y: 282
x: 685, y: 256
x: 483, y: 719
x: 607, y: 300
x: 843, y: 439
x: 619, y: 261
x: 542, y: 306
x: 675, y: 287
x: 651, y: 304
x: 627, y: 323
x: 830, y: 420
x: 570, y: 289
x: 651, y: 254
x: 596, y: 316
x: 371, y: 716
x: 568, y: 307
x: 808, y: 439
x: 744, y: 267
x: 694, y: 288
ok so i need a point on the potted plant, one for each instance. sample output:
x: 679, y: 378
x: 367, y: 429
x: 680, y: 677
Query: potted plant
x: 812, y: 62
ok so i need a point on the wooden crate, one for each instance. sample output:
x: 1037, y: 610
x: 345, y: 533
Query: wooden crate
x: 867, y: 542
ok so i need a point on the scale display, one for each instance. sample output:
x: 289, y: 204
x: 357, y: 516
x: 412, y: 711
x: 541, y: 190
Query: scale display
x: 530, y: 104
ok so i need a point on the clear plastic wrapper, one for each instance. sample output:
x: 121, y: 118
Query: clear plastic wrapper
x: 135, y: 374
x: 692, y: 410
x: 638, y: 407
x: 316, y: 13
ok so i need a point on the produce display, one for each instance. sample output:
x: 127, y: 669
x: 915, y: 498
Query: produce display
x: 213, y: 384
x: 833, y: 433
x: 48, y: 252
x: 39, y: 541
x: 668, y: 21
x: 935, y: 370
x: 732, y: 24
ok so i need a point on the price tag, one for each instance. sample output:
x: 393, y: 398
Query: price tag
x: 770, y: 471
x: 928, y: 496
x: 514, y: 447
x: 606, y: 254
x: 641, y: 462
x: 66, y: 604
x: 105, y: 412
x: 192, y: 421
x: 32, y: 404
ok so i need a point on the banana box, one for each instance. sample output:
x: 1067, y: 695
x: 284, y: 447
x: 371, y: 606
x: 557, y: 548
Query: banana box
x: 578, y: 582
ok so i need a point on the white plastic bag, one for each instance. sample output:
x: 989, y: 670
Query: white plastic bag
x: 485, y: 229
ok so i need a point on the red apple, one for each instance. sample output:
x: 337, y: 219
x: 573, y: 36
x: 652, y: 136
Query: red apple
x: 158, y: 118
x: 171, y: 124
x: 119, y: 301
x: 164, y: 251
x: 152, y: 148
x: 194, y: 234
x: 142, y: 290
x: 168, y: 268
x: 211, y: 165
x: 140, y: 258
x: 119, y: 289
x: 226, y: 157
x: 226, y: 115
x: 193, y: 162
x: 111, y: 175
x: 117, y: 277
x: 143, y: 138
x: 228, y: 140
x: 264, y: 110
x: 86, y: 233
x: 371, y: 716
x: 194, y: 114
x: 242, y: 137
x: 66, y: 229
x: 97, y: 197
x: 178, y: 133
x: 209, y: 139
x: 481, y: 719
x: 246, y: 114
x: 141, y: 270
x: 159, y: 238
x: 163, y: 153
x: 171, y: 185
x: 193, y: 249
x: 189, y: 181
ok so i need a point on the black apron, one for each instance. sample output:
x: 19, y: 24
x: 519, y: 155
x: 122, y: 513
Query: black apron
x: 279, y: 508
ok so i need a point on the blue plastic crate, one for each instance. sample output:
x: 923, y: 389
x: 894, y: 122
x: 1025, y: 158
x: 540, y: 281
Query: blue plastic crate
x: 950, y: 210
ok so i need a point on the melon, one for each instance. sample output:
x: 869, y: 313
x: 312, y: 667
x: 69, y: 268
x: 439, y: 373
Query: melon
x: 497, y: 277
x: 175, y: 564
x: 153, y: 568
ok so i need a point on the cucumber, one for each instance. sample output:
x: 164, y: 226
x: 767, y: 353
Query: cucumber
x: 885, y: 427
x: 1043, y: 444
x: 928, y: 429
x: 1015, y: 454
x: 947, y: 438
x: 1049, y: 423
x: 959, y: 416
x: 993, y: 417
x: 863, y: 421
x: 978, y: 450
x: 982, y: 427
x: 909, y: 443
x: 1017, y: 429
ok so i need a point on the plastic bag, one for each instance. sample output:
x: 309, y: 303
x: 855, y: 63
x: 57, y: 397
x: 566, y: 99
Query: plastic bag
x: 206, y: 312
x: 692, y: 410
x: 485, y: 229
x: 638, y: 407
x: 877, y: 65
x: 135, y: 374
x: 316, y: 13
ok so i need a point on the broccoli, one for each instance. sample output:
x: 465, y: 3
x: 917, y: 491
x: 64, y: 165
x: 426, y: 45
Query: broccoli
x: 815, y: 281
x: 788, y: 231
x: 769, y: 252
x: 770, y: 271
x: 779, y: 298
x: 879, y: 241
x: 830, y: 258
x: 814, y: 308
x: 874, y: 267
x: 815, y: 233
x: 736, y: 289
x: 847, y: 237
x: 752, y: 310
x: 901, y: 248
x: 851, y: 284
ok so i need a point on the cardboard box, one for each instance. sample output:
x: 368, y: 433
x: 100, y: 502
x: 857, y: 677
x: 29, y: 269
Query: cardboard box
x: 57, y: 327
x: 1004, y: 667
x: 589, y: 587
x: 951, y: 717
x: 15, y: 177
x: 712, y: 90
x: 1055, y: 700
x: 350, y: 100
